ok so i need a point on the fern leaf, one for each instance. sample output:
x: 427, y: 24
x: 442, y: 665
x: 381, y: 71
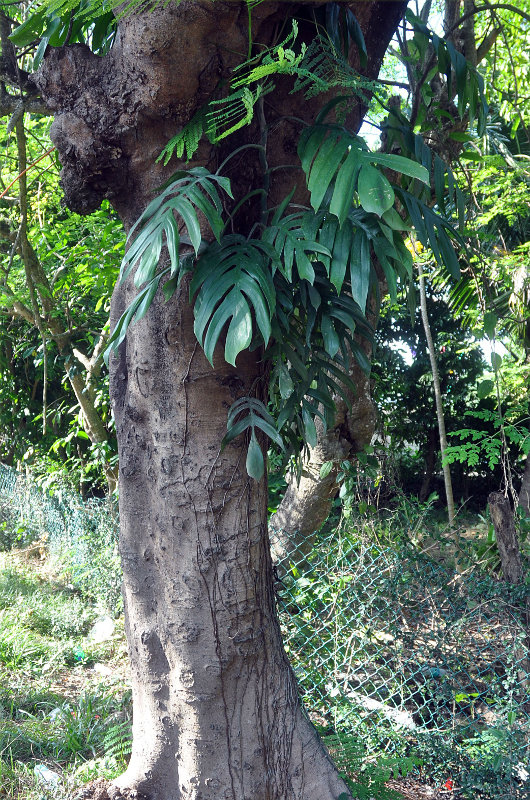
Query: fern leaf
x: 187, y: 140
x: 231, y: 113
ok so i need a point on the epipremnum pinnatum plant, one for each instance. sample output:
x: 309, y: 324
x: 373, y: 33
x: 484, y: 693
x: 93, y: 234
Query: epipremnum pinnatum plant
x: 298, y: 285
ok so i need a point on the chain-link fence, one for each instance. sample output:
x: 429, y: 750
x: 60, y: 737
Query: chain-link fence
x: 81, y: 535
x: 414, y: 658
x: 395, y: 651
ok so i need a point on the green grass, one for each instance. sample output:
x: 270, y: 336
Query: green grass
x: 55, y: 709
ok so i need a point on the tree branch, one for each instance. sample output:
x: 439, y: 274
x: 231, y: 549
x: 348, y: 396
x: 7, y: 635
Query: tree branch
x: 487, y: 7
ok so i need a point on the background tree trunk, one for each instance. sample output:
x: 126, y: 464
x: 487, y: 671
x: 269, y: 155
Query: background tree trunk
x: 307, y: 501
x: 511, y: 565
x: 437, y: 397
x: 524, y: 493
x: 506, y: 535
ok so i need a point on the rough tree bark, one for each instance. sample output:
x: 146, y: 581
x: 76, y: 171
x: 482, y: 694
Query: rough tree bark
x: 511, y: 563
x: 524, y: 493
x: 216, y: 711
x: 506, y: 535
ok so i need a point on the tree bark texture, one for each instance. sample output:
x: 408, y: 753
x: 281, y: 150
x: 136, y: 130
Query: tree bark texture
x: 524, y: 493
x: 216, y: 713
x: 506, y: 535
x: 511, y: 566
x: 216, y: 710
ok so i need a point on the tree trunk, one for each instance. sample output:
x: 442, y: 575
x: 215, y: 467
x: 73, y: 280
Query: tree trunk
x: 216, y: 711
x: 511, y: 566
x: 506, y: 535
x: 437, y: 397
x: 524, y: 493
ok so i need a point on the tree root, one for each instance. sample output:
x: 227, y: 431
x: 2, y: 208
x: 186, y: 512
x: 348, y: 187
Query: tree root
x: 101, y: 789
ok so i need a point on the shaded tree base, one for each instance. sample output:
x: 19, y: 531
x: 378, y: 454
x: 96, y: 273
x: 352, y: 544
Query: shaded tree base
x: 102, y: 789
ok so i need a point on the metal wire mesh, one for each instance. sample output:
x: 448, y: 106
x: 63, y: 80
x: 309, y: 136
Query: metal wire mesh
x: 414, y: 657
x: 81, y: 534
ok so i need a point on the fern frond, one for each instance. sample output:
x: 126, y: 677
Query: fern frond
x: 324, y: 67
x: 187, y: 139
x: 117, y: 742
x: 96, y: 8
x: 231, y: 113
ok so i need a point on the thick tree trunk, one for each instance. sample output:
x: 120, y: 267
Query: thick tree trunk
x: 216, y: 708
x: 216, y: 711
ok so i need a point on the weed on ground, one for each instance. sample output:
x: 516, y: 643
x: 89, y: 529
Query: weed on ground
x: 64, y: 698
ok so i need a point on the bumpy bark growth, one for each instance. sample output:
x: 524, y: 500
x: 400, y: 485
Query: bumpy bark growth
x: 216, y: 711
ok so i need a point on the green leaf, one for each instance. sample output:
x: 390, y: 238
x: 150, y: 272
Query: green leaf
x: 309, y: 144
x: 394, y: 221
x: 341, y: 255
x: 360, y: 269
x: 375, y: 192
x: 496, y: 361
x: 405, y: 166
x: 239, y: 335
x: 309, y: 427
x: 325, y: 469
x: 331, y: 340
x: 324, y: 167
x: 255, y: 462
x: 285, y: 383
x: 183, y: 194
x: 345, y: 185
x: 29, y: 30
x: 490, y: 322
x: 439, y: 181
x: 484, y: 389
x: 232, y: 279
